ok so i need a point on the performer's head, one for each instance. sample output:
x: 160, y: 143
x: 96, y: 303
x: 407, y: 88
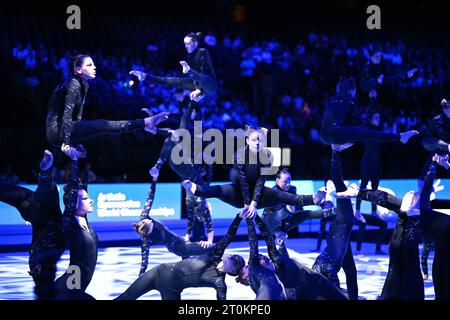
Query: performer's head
x: 191, y: 41
x: 231, y: 264
x: 255, y: 138
x: 375, y: 119
x: 242, y: 277
x: 84, y: 204
x: 445, y: 107
x: 375, y: 57
x: 83, y: 66
x: 264, y: 261
x: 410, y: 201
x: 144, y: 227
x: 347, y: 86
x: 283, y: 179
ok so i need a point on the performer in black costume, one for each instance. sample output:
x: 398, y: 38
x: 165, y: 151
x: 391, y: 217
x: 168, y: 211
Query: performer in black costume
x: 307, y: 284
x: 64, y: 117
x: 338, y: 252
x: 207, y: 270
x: 335, y: 128
x: 252, y: 165
x: 373, y: 78
x: 81, y: 238
x: 154, y: 232
x: 437, y: 224
x: 404, y: 279
x: 261, y: 271
x: 41, y: 209
x: 285, y: 218
x: 198, y: 67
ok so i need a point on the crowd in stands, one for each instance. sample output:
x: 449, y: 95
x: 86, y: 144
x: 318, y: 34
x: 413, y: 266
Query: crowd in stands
x: 261, y: 82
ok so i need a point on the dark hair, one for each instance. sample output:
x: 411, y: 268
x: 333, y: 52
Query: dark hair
x: 345, y: 85
x: 66, y: 195
x: 250, y: 129
x: 281, y: 171
x: 240, y: 265
x: 240, y: 279
x: 76, y: 61
x: 194, y: 35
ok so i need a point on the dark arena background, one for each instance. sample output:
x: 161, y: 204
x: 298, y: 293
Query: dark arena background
x: 276, y: 66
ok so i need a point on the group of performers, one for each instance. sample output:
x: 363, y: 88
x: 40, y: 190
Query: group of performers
x: 203, y: 263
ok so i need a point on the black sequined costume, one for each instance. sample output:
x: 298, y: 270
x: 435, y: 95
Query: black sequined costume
x: 170, y: 279
x: 83, y: 244
x: 41, y: 209
x: 264, y: 282
x: 306, y: 283
x: 64, y: 122
x: 161, y: 235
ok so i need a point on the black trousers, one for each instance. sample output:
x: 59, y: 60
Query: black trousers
x: 88, y: 129
x: 232, y: 194
x: 47, y: 245
x: 206, y: 83
x: 404, y: 279
x: 337, y: 253
x: 334, y: 134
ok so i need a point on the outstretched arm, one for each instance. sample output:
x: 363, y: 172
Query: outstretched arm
x: 253, y: 242
x: 72, y: 93
x: 271, y: 248
x: 145, y: 214
x: 74, y: 180
x: 223, y: 243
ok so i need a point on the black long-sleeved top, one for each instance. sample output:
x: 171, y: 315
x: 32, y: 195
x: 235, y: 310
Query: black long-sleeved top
x: 200, y: 61
x: 293, y: 274
x: 65, y: 106
x: 339, y: 110
x: 69, y: 223
x: 264, y: 282
x: 249, y: 176
x: 201, y: 271
x: 437, y: 134
x: 48, y: 242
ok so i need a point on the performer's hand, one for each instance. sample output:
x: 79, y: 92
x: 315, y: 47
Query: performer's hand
x: 196, y: 95
x: 441, y: 160
x: 319, y: 196
x: 139, y: 74
x: 186, y: 238
x: 205, y: 244
x: 290, y: 208
x: 373, y: 94
x: 280, y: 237
x: 70, y: 151
x: 380, y: 78
x: 185, y: 66
x: 244, y: 212
x: 411, y: 72
x: 81, y: 150
x: 251, y: 211
x: 153, y: 121
x: 36, y: 270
